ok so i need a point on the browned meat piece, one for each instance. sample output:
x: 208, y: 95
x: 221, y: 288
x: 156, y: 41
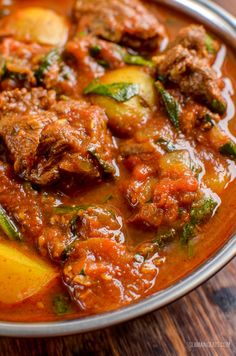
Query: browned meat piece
x: 195, y: 37
x: 140, y: 188
x: 20, y: 101
x: 21, y: 135
x: 69, y: 137
x: 25, y: 65
x: 71, y: 226
x: 196, y: 118
x: 193, y: 76
x: 17, y: 61
x: 99, y: 222
x: 186, y: 63
x: 157, y: 196
x: 93, y: 55
x: 121, y: 21
x: 149, y: 215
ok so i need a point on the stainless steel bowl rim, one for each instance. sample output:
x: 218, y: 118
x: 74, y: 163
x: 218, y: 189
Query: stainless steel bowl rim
x: 225, y: 25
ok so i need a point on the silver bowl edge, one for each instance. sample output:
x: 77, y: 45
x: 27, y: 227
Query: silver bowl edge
x: 224, y: 24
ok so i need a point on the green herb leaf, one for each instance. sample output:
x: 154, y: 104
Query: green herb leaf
x: 95, y: 50
x: 118, y: 91
x: 74, y: 227
x: 8, y: 226
x: 188, y: 232
x: 61, y: 304
x: 199, y: 212
x: 191, y: 250
x: 3, y: 67
x: 171, y: 104
x: 164, y: 236
x: 229, y: 149
x: 82, y: 272
x: 106, y: 166
x: 218, y: 106
x: 209, y: 43
x: 161, y: 79
x: 74, y: 234
x: 137, y: 60
x: 68, y: 209
x: 50, y: 58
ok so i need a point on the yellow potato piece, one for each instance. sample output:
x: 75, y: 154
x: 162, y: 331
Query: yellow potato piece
x: 21, y: 276
x: 37, y: 25
x: 217, y: 180
x: 126, y: 117
x: 173, y: 159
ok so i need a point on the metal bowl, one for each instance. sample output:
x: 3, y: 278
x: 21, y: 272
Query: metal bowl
x: 225, y: 25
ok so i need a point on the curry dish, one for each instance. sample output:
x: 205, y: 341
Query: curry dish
x: 117, y: 153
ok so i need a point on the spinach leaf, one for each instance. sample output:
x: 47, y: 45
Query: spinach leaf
x: 95, y: 50
x: 164, y: 236
x: 82, y: 272
x: 208, y: 121
x: 106, y: 166
x: 200, y: 211
x: 8, y: 226
x: 187, y: 233
x: 50, y: 58
x: 61, y: 304
x: 218, y: 106
x: 209, y: 43
x: 137, y: 60
x: 171, y: 104
x: 118, y: 91
x: 229, y: 149
x: 3, y: 67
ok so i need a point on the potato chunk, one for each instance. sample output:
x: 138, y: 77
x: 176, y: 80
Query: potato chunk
x: 36, y: 24
x: 21, y: 276
x: 170, y: 161
x: 126, y: 117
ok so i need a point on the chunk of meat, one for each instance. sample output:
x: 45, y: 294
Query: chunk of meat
x: 93, y: 55
x: 25, y: 65
x: 97, y: 222
x: 158, y: 194
x: 102, y: 274
x: 196, y: 117
x: 185, y: 65
x: 195, y: 37
x: 121, y: 21
x: 66, y: 229
x: 18, y: 60
x: 21, y: 135
x: 20, y: 101
x: 71, y: 136
x: 140, y: 189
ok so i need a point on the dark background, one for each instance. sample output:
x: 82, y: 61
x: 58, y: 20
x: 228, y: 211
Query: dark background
x: 201, y: 323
